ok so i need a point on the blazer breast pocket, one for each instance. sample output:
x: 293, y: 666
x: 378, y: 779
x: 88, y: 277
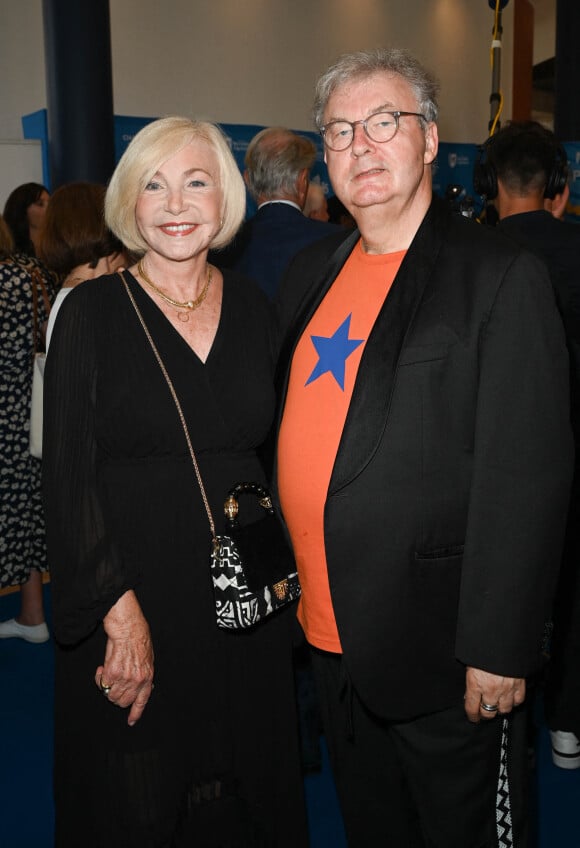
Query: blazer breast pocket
x: 416, y: 354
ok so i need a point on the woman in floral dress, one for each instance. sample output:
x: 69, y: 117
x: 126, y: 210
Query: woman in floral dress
x: 22, y: 542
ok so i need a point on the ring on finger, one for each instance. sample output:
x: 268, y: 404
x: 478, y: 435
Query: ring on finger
x: 104, y: 687
x: 489, y: 708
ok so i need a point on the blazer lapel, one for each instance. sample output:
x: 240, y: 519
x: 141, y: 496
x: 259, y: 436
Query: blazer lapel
x: 369, y: 407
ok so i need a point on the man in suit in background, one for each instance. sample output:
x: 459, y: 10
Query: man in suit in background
x: 278, y: 164
x: 525, y: 171
x: 423, y: 469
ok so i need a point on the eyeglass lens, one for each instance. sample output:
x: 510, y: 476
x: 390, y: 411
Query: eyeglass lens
x: 380, y: 128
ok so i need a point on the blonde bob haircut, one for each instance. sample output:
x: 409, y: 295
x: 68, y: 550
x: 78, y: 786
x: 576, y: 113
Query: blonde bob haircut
x: 149, y: 149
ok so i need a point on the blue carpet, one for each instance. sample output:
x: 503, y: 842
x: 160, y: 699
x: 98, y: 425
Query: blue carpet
x: 26, y: 813
x: 26, y: 672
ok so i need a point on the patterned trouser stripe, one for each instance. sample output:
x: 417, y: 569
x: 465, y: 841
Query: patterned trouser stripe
x: 503, y: 811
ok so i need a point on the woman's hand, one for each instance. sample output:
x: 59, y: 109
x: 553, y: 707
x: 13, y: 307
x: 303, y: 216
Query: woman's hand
x: 126, y: 677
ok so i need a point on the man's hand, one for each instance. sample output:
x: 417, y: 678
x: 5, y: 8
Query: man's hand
x: 500, y: 693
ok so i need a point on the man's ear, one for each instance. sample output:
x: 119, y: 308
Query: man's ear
x: 431, y: 143
x: 302, y: 185
x: 303, y: 179
x: 247, y: 178
x: 557, y: 206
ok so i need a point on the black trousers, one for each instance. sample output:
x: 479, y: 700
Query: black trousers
x: 437, y: 781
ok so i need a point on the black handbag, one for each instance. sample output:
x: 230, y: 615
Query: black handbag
x: 252, y: 566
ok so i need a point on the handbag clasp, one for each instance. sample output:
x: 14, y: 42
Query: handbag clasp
x: 231, y: 508
x: 281, y: 589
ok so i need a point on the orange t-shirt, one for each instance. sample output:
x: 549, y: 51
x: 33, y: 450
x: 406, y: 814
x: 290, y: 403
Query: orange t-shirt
x: 322, y: 377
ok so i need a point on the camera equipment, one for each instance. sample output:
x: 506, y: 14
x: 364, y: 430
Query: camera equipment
x: 459, y: 200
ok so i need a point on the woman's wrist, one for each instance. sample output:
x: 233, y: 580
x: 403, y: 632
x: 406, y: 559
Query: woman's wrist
x: 124, y: 617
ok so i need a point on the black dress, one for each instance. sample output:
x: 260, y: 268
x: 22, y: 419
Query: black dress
x: 214, y: 760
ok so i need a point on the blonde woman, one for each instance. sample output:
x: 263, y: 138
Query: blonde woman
x: 169, y: 732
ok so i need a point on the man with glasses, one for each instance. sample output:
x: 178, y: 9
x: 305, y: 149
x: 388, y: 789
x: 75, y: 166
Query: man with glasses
x: 423, y: 469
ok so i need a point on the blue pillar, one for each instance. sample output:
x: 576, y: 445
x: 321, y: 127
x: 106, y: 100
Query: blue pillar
x: 77, y: 43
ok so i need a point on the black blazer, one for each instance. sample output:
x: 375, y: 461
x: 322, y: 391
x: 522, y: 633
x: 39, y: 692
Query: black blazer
x: 446, y: 506
x: 558, y: 244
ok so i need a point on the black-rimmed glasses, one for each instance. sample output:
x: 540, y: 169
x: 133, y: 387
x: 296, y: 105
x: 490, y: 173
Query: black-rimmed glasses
x: 380, y: 127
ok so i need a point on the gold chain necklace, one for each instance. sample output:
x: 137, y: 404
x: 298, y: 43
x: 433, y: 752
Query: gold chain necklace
x: 186, y: 304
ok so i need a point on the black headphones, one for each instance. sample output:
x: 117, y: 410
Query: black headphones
x: 485, y: 176
x: 558, y: 177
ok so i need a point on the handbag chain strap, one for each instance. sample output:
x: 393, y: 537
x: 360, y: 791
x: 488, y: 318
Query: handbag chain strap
x: 178, y: 407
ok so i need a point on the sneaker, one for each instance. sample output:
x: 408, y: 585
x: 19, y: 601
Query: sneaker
x: 31, y: 633
x: 565, y: 749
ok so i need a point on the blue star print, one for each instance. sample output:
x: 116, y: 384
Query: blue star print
x: 333, y: 352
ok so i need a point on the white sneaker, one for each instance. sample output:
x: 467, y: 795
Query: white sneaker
x: 565, y: 749
x: 31, y: 633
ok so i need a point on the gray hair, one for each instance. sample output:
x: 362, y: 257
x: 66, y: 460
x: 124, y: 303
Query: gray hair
x: 364, y: 63
x: 274, y: 159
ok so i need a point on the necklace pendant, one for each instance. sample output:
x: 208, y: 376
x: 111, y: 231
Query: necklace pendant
x: 188, y: 304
